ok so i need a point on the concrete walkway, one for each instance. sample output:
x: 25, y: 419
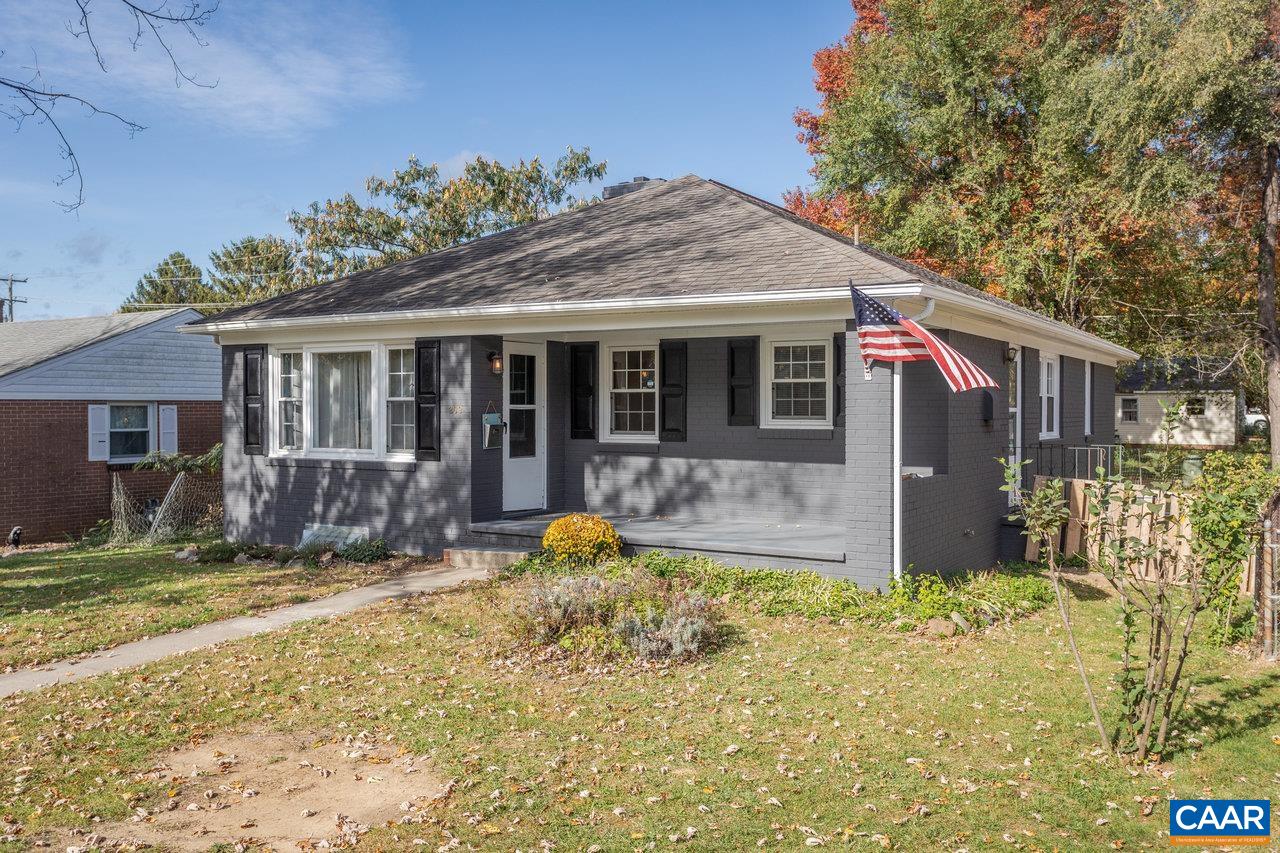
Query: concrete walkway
x: 155, y: 648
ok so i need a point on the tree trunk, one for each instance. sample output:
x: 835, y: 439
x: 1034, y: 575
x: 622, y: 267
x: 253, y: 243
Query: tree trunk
x: 1269, y: 326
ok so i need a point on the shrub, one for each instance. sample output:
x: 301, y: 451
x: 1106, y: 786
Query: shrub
x: 979, y: 597
x: 580, y: 540
x: 256, y: 550
x: 217, y: 552
x: 597, y: 616
x: 364, y: 551
x: 285, y: 554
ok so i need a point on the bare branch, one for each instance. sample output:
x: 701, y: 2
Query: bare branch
x: 33, y: 99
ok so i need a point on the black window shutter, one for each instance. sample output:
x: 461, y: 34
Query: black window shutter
x: 837, y: 359
x: 673, y: 373
x: 427, y: 396
x: 582, y: 390
x: 254, y: 411
x: 743, y: 365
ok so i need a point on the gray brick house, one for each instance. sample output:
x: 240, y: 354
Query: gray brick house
x: 679, y: 357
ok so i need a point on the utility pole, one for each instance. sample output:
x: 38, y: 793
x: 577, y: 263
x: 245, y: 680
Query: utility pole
x: 11, y: 299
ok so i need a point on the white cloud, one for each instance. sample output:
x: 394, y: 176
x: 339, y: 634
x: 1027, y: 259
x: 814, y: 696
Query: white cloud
x: 281, y: 69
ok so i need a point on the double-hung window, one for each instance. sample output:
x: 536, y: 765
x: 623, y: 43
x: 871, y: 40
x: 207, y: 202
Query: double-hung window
x: 1128, y: 410
x: 633, y: 392
x: 130, y: 431
x: 289, y: 429
x: 799, y: 375
x: 400, y: 417
x: 1088, y: 398
x: 1050, y: 396
x: 344, y: 401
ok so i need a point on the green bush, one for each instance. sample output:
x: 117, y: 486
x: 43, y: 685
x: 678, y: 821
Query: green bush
x: 979, y: 597
x: 285, y: 554
x: 256, y: 550
x: 365, y: 551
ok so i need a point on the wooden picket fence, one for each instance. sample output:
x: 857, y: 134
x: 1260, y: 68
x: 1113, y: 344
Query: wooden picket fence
x: 1072, y: 539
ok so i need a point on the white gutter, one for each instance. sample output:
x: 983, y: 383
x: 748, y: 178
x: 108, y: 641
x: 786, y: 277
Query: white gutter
x: 929, y: 305
x: 643, y: 303
x: 1053, y: 328
x: 931, y: 292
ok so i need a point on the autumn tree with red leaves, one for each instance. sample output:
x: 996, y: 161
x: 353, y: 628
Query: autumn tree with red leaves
x: 961, y: 134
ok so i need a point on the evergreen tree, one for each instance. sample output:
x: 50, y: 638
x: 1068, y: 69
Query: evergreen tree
x: 174, y: 281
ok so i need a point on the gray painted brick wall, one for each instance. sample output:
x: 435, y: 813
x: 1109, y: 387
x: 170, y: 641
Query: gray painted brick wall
x: 867, y: 510
x: 952, y: 521
x: 418, y: 507
x: 744, y: 471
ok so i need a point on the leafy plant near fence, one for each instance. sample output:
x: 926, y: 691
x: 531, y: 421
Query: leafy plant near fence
x: 977, y: 597
x: 1171, y: 554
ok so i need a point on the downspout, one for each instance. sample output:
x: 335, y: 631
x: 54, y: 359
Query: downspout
x: 896, y: 471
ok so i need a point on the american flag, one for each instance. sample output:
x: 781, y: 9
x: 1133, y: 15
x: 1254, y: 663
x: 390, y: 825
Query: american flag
x: 886, y: 335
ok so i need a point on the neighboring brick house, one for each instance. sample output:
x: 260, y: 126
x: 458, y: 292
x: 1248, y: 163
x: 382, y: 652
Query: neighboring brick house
x: 83, y: 398
x: 680, y: 357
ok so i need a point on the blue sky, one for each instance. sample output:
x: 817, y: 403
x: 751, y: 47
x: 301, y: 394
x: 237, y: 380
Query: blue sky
x: 312, y: 98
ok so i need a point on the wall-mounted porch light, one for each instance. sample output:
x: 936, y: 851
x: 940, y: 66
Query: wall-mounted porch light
x: 1011, y: 355
x: 495, y: 362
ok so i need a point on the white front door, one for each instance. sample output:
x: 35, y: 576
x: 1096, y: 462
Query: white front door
x: 524, y: 441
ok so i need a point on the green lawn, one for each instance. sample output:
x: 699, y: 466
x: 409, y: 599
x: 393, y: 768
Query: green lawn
x: 845, y: 734
x: 59, y: 604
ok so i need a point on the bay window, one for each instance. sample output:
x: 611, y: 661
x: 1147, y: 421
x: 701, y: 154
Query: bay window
x: 348, y: 401
x: 633, y: 392
x: 799, y: 375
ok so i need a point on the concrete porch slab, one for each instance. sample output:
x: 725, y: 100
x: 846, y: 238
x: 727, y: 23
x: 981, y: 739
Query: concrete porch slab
x: 747, y: 536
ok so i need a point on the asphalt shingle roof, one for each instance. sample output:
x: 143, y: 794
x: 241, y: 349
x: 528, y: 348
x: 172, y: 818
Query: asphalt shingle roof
x: 30, y: 342
x: 689, y: 236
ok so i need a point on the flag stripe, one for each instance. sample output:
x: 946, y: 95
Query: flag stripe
x: 885, y: 335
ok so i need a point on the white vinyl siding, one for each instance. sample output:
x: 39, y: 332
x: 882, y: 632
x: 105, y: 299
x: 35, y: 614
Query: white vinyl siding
x: 154, y: 362
x: 1215, y: 428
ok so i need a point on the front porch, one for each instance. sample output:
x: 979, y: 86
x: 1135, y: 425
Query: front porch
x: 744, y: 541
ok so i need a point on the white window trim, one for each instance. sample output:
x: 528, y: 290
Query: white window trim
x: 1088, y: 398
x: 377, y: 402
x: 765, y: 383
x: 273, y: 413
x: 606, y: 387
x: 153, y: 427
x: 1056, y: 430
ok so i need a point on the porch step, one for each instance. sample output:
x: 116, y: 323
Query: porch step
x: 490, y: 558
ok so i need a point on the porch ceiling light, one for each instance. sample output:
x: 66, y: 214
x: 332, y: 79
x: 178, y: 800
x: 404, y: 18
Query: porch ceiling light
x: 495, y: 362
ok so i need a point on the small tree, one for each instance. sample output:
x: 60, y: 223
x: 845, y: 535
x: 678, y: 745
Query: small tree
x: 1043, y: 512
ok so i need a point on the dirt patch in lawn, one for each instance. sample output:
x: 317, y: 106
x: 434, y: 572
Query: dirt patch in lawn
x: 282, y: 792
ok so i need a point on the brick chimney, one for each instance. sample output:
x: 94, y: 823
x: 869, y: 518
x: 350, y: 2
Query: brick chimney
x: 637, y: 183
